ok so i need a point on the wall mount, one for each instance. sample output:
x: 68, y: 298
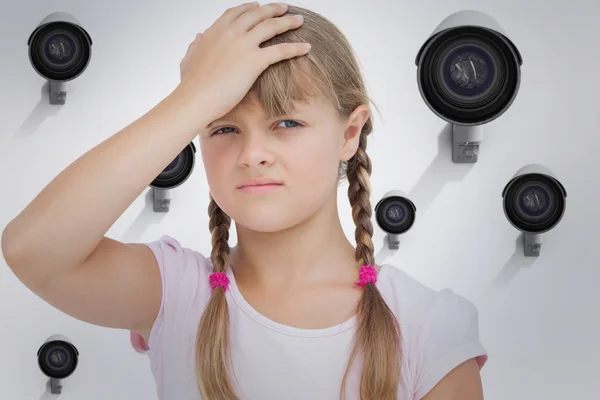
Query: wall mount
x: 466, y: 140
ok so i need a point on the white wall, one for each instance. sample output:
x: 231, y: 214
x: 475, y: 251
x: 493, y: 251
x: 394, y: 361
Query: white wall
x: 538, y: 316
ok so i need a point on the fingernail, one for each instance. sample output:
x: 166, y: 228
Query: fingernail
x: 283, y: 5
x: 299, y: 17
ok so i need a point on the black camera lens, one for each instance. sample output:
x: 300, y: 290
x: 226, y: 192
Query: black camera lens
x: 395, y: 215
x: 469, y: 74
x: 178, y: 170
x: 58, y: 359
x: 534, y: 203
x: 60, y: 51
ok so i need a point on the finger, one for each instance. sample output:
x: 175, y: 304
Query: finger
x: 196, y: 39
x: 275, y: 26
x: 284, y: 51
x: 194, y: 42
x: 255, y: 16
x: 231, y: 14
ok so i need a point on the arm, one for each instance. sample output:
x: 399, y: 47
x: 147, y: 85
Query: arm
x: 56, y: 245
x: 462, y: 383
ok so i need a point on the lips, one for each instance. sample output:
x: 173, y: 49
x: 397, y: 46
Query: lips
x: 259, y: 182
x: 266, y: 184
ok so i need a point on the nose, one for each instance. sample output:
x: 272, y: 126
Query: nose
x: 255, y: 151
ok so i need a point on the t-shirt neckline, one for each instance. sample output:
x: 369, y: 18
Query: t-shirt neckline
x: 268, y: 323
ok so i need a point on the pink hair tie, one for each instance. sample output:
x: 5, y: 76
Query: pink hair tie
x: 219, y: 279
x: 367, y: 274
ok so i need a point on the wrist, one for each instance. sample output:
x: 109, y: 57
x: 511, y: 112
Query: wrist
x: 192, y: 106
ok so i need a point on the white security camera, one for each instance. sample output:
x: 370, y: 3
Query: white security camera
x: 57, y: 358
x: 395, y: 214
x: 534, y: 202
x: 469, y: 73
x: 175, y: 174
x: 59, y: 51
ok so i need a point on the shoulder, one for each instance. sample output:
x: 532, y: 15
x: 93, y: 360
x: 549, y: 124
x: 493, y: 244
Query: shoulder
x: 167, y: 249
x: 176, y: 261
x: 184, y: 271
x: 440, y: 329
x: 416, y: 302
x: 185, y: 285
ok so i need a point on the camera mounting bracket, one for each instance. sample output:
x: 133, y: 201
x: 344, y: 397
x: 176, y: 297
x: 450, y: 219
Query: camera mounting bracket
x: 161, y: 199
x: 465, y: 143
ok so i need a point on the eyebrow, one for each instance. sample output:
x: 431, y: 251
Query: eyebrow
x: 229, y: 116
x: 233, y: 114
x: 300, y: 108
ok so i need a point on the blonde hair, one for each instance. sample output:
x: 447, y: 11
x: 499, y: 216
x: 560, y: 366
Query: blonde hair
x: 330, y: 69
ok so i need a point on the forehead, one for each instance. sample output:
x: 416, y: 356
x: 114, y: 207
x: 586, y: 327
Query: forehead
x: 252, y: 107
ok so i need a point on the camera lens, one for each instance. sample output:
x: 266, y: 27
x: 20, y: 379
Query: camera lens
x: 534, y: 203
x: 469, y: 75
x: 395, y: 215
x: 173, y: 166
x: 177, y: 171
x: 60, y: 51
x: 57, y: 359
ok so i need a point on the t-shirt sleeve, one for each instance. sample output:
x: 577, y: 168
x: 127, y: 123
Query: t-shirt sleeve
x: 448, y: 336
x: 178, y: 267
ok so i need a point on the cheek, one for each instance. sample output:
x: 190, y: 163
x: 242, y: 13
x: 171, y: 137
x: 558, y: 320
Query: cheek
x: 315, y: 166
x: 213, y: 167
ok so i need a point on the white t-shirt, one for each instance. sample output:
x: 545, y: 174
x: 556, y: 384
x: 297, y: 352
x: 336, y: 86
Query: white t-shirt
x: 272, y: 361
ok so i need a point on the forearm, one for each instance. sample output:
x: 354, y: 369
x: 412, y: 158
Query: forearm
x: 65, y: 222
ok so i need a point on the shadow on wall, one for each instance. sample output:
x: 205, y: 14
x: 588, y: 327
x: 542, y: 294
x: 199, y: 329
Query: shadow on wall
x: 515, y: 263
x: 441, y: 171
x: 47, y: 395
x: 142, y: 222
x: 40, y: 112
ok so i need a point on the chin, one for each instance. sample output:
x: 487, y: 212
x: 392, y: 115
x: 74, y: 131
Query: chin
x: 265, y: 222
x: 267, y: 218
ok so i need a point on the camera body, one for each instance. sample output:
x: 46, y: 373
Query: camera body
x: 468, y: 74
x: 58, y: 359
x: 174, y: 175
x: 395, y: 214
x: 60, y: 50
x: 534, y: 202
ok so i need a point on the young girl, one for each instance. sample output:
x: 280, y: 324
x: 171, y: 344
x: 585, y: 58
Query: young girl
x: 294, y: 311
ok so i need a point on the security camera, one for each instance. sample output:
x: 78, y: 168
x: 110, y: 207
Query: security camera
x: 395, y: 215
x: 468, y: 74
x: 175, y: 174
x: 59, y: 51
x: 57, y: 359
x: 534, y: 202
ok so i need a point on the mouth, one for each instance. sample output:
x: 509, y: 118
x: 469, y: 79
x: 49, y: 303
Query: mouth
x: 260, y: 188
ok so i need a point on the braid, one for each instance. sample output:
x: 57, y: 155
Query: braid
x: 218, y: 226
x: 359, y: 193
x: 212, y: 340
x: 378, y: 333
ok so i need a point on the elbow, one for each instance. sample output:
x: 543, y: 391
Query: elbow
x: 11, y: 250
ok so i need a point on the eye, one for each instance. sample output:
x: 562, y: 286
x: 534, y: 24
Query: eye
x: 297, y: 124
x: 220, y: 129
x: 294, y: 124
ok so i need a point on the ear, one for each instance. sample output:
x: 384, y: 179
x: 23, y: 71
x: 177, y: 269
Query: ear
x: 354, y: 125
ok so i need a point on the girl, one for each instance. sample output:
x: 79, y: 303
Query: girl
x: 294, y: 311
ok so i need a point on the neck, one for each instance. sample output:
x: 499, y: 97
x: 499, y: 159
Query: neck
x: 316, y: 250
